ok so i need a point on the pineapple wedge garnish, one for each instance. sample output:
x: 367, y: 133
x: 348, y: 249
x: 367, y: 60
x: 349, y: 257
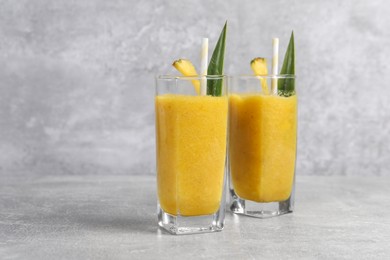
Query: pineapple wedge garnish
x: 186, y: 68
x: 259, y: 67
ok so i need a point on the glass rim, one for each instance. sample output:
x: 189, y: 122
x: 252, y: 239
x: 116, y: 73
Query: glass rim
x: 266, y: 76
x: 175, y: 77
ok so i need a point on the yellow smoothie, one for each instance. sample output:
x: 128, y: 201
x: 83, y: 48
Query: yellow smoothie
x: 191, y: 149
x: 263, y: 131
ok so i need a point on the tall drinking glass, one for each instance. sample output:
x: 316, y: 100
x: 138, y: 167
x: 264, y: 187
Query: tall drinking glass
x: 262, y: 145
x: 191, y: 138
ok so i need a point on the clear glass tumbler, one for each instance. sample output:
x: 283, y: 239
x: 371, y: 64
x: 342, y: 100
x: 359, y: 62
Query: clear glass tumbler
x: 191, y: 138
x: 262, y: 144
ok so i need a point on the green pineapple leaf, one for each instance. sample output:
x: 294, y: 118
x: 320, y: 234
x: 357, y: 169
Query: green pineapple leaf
x: 214, y: 87
x: 286, y: 87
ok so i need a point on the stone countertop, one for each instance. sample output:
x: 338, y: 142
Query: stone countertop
x: 113, y: 217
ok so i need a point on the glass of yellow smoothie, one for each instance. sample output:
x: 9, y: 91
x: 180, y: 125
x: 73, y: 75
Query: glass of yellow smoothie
x: 191, y: 140
x: 262, y: 145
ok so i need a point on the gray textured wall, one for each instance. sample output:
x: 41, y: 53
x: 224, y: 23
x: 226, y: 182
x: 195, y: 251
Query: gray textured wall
x: 76, y: 78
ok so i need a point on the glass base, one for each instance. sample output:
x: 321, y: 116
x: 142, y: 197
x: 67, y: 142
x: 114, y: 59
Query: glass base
x: 258, y: 209
x: 180, y: 225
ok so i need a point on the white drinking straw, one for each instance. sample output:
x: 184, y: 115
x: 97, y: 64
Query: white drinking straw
x: 203, y: 65
x: 275, y: 59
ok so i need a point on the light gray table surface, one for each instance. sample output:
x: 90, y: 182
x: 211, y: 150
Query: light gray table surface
x: 113, y: 217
